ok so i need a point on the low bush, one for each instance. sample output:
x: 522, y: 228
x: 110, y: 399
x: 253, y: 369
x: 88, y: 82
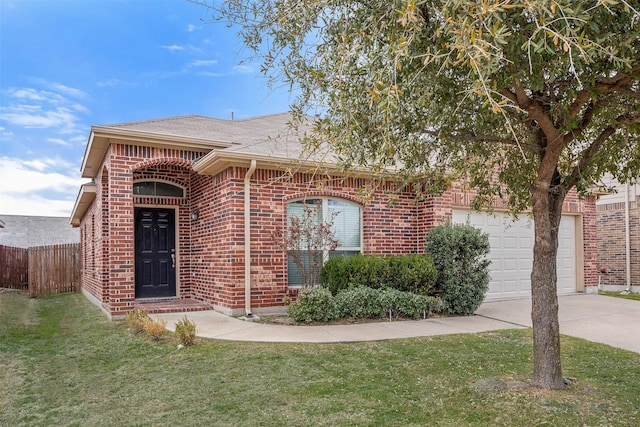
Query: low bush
x: 136, y: 320
x: 406, y: 304
x: 313, y: 305
x: 319, y: 305
x: 360, y: 303
x: 186, y: 331
x: 410, y: 273
x: 459, y: 253
x: 155, y: 328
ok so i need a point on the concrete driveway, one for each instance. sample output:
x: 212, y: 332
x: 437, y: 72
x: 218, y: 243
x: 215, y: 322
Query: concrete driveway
x: 607, y: 320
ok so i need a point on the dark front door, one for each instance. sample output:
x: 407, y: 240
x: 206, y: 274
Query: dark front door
x: 155, y: 252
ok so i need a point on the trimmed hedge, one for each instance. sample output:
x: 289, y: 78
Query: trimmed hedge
x: 409, y: 273
x: 318, y: 305
x: 459, y: 253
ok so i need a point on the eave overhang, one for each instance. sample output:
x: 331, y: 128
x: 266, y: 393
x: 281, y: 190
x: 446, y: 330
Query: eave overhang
x: 216, y: 161
x: 86, y: 195
x: 102, y: 136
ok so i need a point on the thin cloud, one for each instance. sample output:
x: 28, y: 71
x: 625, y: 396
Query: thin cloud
x: 59, y: 141
x: 60, y: 88
x: 243, y: 69
x: 191, y: 28
x: 108, y: 83
x: 238, y: 69
x: 173, y: 47
x: 115, y: 83
x: 34, y: 108
x: 21, y: 177
x: 30, y: 116
x: 203, y: 62
x: 69, y: 91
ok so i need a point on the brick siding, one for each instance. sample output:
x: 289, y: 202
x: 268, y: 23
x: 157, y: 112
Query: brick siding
x: 210, y: 249
x: 612, y: 245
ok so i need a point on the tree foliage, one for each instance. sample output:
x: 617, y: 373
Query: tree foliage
x: 469, y: 86
x: 520, y: 100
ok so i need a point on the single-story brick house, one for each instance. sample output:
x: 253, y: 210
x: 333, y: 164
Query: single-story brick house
x: 185, y: 209
x: 618, y: 230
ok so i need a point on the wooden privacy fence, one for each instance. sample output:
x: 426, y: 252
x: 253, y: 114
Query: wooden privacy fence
x: 14, y: 267
x: 48, y: 269
x: 54, y: 269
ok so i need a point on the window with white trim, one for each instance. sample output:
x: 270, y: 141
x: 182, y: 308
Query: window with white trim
x: 347, y: 228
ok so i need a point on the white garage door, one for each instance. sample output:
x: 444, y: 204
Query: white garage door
x: 512, y: 252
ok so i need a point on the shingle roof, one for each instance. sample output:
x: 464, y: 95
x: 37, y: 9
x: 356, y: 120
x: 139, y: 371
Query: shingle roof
x: 247, y: 131
x: 269, y: 138
x: 26, y: 231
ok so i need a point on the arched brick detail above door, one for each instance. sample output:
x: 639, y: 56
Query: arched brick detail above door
x: 166, y: 161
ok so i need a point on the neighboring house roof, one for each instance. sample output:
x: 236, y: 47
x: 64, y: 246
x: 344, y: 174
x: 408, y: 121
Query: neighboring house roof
x: 28, y: 231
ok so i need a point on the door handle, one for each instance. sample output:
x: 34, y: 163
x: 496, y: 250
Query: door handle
x: 173, y: 260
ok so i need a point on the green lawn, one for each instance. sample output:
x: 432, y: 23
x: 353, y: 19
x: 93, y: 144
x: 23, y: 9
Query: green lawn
x: 620, y: 295
x: 63, y: 363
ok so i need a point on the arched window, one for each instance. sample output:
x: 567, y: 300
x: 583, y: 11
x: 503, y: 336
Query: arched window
x: 157, y: 188
x: 346, y: 219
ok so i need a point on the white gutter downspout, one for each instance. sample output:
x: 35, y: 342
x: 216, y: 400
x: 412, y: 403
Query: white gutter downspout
x: 247, y: 240
x: 627, y: 238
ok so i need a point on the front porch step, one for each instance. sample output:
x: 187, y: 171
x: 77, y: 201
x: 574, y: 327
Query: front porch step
x: 170, y: 305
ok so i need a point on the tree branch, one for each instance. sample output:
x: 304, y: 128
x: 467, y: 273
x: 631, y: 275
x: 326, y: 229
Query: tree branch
x: 489, y: 139
x: 584, y: 123
x: 579, y: 102
x: 589, y: 153
x: 610, y: 84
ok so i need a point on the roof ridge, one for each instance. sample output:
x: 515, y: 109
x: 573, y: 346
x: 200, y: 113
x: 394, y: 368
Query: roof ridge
x: 159, y: 119
x: 282, y: 113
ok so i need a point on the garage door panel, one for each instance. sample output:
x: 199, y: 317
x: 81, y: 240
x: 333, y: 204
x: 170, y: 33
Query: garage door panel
x: 511, y: 252
x: 509, y: 264
x: 510, y: 243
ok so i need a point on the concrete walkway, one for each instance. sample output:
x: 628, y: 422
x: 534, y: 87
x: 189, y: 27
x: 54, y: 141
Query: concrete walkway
x: 608, y: 320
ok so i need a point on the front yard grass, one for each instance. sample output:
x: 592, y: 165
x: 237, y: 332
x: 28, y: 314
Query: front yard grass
x: 631, y: 296
x: 63, y: 363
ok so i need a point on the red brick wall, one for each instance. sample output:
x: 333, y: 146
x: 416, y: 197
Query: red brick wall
x: 211, y: 248
x: 612, y: 245
x: 108, y: 244
x: 94, y: 243
x: 389, y: 226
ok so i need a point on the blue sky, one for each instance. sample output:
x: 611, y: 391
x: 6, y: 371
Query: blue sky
x: 66, y: 65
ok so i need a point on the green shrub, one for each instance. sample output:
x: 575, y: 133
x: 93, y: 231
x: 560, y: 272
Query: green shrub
x: 186, y: 331
x: 334, y: 275
x: 405, y: 304
x: 319, y: 305
x: 313, y: 305
x: 411, y: 273
x: 360, y: 303
x: 136, y: 320
x: 459, y: 253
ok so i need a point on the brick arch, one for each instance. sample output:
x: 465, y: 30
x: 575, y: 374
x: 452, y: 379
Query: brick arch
x: 325, y: 193
x: 159, y: 177
x: 165, y: 161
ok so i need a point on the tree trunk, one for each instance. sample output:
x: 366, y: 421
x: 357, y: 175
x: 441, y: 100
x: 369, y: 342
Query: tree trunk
x: 547, y: 212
